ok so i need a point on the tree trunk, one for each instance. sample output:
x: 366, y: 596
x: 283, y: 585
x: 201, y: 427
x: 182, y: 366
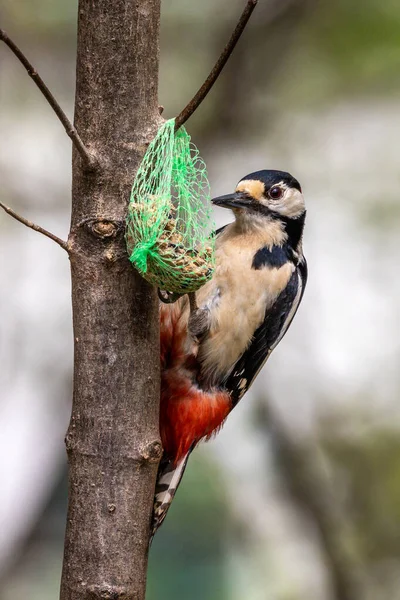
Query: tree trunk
x: 113, y: 441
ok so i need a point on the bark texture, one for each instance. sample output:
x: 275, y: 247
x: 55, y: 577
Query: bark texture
x: 113, y: 441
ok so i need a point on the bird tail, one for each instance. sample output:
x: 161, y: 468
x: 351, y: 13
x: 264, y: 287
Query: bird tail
x: 168, y: 479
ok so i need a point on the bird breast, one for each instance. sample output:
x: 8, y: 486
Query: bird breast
x: 238, y: 298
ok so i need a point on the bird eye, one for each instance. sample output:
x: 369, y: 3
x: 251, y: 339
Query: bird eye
x: 275, y: 192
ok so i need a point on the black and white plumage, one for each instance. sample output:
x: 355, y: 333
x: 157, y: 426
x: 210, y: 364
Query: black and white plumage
x: 211, y: 357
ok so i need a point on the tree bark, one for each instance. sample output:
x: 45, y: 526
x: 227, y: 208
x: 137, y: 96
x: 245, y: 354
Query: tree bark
x: 113, y: 441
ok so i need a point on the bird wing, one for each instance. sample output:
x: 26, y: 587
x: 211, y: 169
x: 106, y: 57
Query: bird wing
x: 268, y: 335
x: 220, y: 229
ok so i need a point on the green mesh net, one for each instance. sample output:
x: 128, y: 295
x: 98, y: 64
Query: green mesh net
x: 169, y: 227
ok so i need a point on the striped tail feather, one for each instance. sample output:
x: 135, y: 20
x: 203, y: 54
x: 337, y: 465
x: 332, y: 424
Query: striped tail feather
x: 168, y: 480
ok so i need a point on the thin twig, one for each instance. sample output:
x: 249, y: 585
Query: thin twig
x: 88, y: 158
x: 35, y: 227
x: 219, y: 65
x: 192, y: 302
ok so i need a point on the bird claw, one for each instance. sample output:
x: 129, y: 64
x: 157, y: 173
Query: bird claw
x: 199, y: 323
x: 168, y: 297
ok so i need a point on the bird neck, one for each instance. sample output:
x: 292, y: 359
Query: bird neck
x: 294, y: 230
x: 269, y: 231
x: 272, y: 229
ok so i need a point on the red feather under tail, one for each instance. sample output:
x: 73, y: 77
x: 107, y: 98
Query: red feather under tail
x: 188, y: 414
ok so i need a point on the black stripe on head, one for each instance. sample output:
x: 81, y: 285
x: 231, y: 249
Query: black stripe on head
x: 272, y: 177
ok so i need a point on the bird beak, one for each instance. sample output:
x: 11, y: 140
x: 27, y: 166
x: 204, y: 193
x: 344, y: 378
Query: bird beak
x: 235, y: 200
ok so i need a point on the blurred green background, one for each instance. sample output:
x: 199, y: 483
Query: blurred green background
x: 299, y: 497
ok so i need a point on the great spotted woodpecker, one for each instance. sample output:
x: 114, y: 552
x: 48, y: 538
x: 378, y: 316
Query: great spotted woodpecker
x: 210, y: 356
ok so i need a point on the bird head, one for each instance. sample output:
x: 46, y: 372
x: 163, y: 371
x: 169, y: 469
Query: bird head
x: 270, y: 194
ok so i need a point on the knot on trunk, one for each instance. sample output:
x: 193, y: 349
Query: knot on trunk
x: 108, y: 592
x: 103, y: 228
x: 152, y: 451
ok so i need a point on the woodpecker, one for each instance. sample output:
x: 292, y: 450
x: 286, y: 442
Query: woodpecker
x: 210, y: 355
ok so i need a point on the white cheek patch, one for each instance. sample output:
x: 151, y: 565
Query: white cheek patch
x: 291, y: 205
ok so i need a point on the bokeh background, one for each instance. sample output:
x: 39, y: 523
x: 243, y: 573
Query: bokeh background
x: 299, y: 496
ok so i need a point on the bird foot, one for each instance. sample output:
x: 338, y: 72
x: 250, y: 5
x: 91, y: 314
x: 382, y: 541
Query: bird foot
x: 199, y: 323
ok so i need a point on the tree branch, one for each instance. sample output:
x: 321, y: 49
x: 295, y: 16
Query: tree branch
x: 190, y: 108
x: 35, y: 227
x: 88, y: 158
